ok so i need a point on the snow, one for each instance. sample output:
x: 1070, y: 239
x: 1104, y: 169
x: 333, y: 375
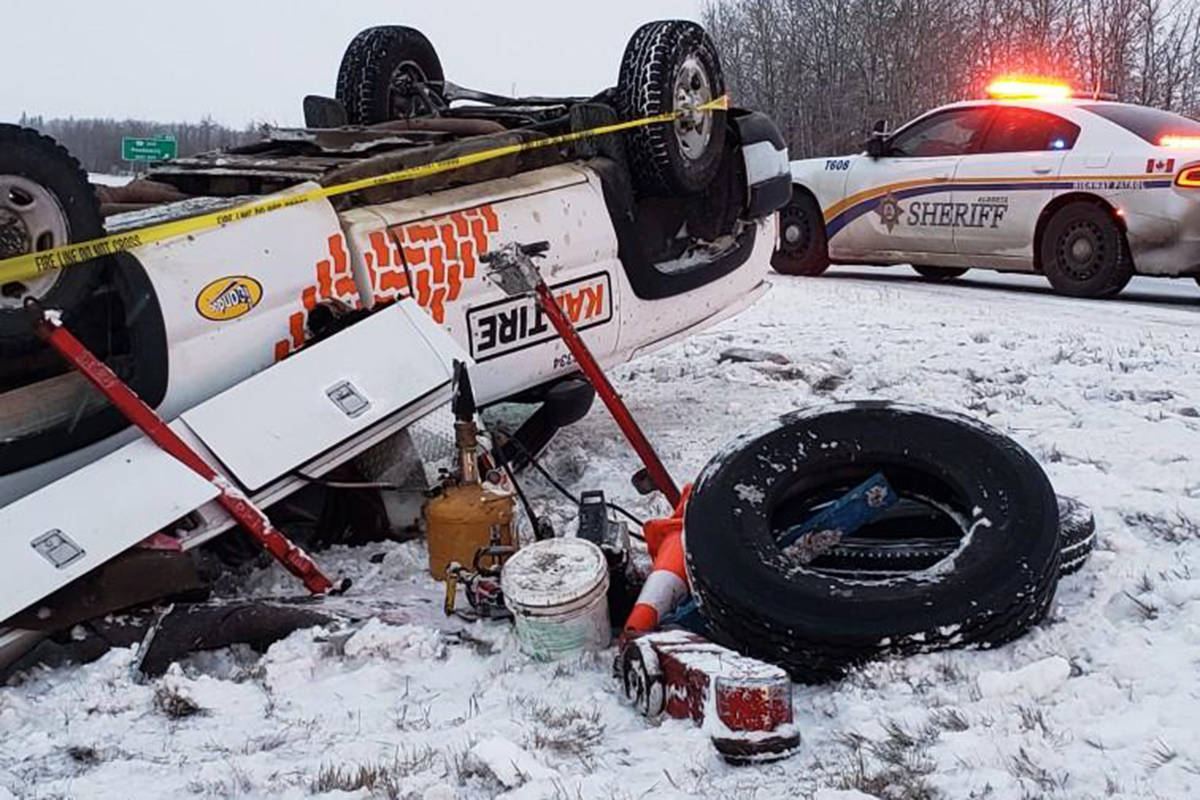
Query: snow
x: 1032, y: 680
x: 103, y: 179
x: 1100, y: 700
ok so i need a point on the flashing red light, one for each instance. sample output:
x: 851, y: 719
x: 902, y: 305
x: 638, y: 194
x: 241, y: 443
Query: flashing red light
x: 1180, y: 141
x: 1027, y: 89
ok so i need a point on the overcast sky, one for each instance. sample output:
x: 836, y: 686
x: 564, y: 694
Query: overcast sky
x: 244, y: 61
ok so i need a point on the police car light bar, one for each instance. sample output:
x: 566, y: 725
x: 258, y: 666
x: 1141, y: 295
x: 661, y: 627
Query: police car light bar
x: 1180, y: 141
x: 1027, y: 89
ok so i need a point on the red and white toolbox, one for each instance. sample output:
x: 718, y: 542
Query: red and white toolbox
x: 744, y: 704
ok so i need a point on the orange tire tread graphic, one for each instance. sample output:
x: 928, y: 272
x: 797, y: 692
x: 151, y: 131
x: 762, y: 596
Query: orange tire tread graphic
x: 440, y: 254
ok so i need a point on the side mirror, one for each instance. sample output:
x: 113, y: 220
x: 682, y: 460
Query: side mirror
x: 877, y: 144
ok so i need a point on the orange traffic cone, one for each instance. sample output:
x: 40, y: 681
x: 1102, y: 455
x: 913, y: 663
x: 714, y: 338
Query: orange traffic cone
x: 667, y: 585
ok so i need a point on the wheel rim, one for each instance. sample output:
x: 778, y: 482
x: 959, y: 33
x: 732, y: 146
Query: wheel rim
x: 1082, y: 251
x: 795, y: 231
x: 404, y: 92
x: 31, y: 220
x: 693, y: 127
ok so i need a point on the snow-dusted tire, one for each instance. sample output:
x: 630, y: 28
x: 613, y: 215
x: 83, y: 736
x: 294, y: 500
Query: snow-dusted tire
x: 380, y: 67
x: 1077, y: 532
x: 939, y: 273
x: 816, y: 624
x: 803, y: 247
x: 45, y: 201
x: 667, y: 66
x: 1084, y: 252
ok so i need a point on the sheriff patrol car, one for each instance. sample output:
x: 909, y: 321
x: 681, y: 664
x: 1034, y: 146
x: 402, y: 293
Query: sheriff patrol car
x: 1083, y: 190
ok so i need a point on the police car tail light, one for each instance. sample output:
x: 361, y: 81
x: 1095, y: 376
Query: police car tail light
x: 1180, y: 141
x: 1027, y: 89
x: 1189, y: 177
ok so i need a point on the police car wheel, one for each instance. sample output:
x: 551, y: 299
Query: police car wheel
x: 939, y: 273
x: 1084, y: 253
x: 45, y: 202
x: 672, y: 66
x: 386, y: 73
x: 816, y: 623
x: 803, y: 249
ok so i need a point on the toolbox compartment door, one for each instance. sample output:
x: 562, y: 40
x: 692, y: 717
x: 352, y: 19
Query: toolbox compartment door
x: 364, y: 376
x: 56, y: 534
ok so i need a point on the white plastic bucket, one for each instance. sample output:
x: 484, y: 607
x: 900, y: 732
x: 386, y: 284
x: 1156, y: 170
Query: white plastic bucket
x: 557, y: 590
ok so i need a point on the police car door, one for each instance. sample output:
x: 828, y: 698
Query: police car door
x: 1001, y: 190
x: 896, y: 205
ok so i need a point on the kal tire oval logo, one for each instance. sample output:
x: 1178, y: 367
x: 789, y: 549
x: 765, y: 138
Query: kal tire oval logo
x: 228, y: 298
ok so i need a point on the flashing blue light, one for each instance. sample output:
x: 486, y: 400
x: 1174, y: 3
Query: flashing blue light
x: 1058, y: 144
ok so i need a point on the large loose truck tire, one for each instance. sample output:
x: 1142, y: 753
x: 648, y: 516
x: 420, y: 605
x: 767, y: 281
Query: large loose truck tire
x: 998, y: 581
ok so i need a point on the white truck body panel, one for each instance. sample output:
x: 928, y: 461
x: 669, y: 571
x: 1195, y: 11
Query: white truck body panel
x: 275, y: 421
x: 75, y: 524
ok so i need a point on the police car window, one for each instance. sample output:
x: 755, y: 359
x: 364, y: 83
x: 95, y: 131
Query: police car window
x: 1019, y: 130
x: 1151, y: 124
x: 950, y: 133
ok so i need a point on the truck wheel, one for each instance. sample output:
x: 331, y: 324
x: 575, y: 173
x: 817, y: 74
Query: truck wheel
x: 385, y: 75
x: 815, y: 623
x: 939, y: 273
x: 1084, y: 253
x: 803, y: 249
x: 672, y: 67
x: 45, y: 202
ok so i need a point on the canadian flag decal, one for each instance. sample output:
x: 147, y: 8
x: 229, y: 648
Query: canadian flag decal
x: 1160, y: 165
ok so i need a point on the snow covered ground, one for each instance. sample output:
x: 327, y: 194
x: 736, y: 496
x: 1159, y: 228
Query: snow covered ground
x: 1102, y: 700
x: 109, y: 180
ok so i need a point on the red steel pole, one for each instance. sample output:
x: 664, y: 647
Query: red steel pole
x: 654, y: 467
x: 293, y: 558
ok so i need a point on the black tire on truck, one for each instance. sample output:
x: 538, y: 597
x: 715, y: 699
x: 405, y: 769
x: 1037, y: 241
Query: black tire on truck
x: 1084, y: 252
x: 45, y: 202
x: 998, y: 582
x: 384, y: 72
x: 672, y: 66
x: 939, y: 273
x: 803, y: 247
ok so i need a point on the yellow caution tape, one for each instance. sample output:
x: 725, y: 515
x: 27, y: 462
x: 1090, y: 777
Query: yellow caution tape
x: 31, y: 265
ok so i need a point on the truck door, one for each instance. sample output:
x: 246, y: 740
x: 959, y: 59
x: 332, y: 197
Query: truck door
x: 901, y: 204
x: 1001, y: 190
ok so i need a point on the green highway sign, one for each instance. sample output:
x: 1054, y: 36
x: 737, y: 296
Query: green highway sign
x: 159, y: 148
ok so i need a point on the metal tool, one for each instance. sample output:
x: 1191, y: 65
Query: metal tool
x: 513, y: 270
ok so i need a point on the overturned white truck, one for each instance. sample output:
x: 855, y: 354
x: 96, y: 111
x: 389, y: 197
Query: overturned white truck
x: 289, y: 345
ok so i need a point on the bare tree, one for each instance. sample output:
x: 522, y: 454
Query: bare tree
x: 827, y: 69
x: 97, y: 142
